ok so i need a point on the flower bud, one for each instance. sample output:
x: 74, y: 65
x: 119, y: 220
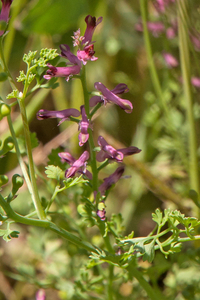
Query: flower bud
x: 3, y: 180
x: 4, y: 109
x: 7, y: 146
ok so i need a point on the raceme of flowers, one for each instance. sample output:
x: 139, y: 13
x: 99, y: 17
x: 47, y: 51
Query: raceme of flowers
x: 105, y: 153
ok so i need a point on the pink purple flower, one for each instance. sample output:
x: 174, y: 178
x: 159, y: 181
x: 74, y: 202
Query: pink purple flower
x: 162, y: 4
x: 5, y: 11
x: 91, y: 25
x: 195, y: 39
x: 73, y: 68
x: 87, y: 54
x: 112, y: 179
x: 170, y: 60
x: 111, y: 96
x: 101, y: 212
x: 60, y: 114
x: 156, y: 28
x: 78, y: 165
x: 40, y: 295
x: 83, y: 127
x: 108, y: 152
x: 195, y: 81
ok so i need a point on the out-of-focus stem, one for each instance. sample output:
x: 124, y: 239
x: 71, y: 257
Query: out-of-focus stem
x: 182, y: 6
x: 36, y: 198
x: 21, y: 162
x: 156, y: 83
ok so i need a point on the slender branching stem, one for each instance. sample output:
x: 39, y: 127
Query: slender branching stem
x: 46, y: 224
x: 36, y: 198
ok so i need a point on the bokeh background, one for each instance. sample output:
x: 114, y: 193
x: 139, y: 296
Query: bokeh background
x: 36, y: 259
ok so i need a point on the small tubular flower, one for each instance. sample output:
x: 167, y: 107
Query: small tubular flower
x: 40, y: 295
x: 91, y: 25
x: 60, y: 114
x: 111, y: 96
x: 73, y: 68
x: 161, y: 5
x: 61, y: 71
x: 83, y: 127
x: 108, y: 152
x: 5, y: 10
x: 156, y: 28
x: 87, y: 54
x: 170, y: 60
x: 195, y: 81
x: 112, y: 179
x: 78, y: 165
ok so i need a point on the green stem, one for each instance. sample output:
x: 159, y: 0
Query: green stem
x: 21, y: 162
x: 46, y: 224
x: 144, y: 284
x: 31, y: 110
x: 182, y: 6
x: 36, y: 199
x: 4, y: 65
x: 90, y: 140
x: 110, y: 282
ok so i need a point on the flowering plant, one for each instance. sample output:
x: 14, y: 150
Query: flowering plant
x: 70, y: 221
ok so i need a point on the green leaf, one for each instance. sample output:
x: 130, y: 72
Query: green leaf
x: 149, y: 252
x: 157, y: 216
x: 8, y: 234
x: 115, y: 225
x: 13, y: 94
x: 53, y: 172
x: 175, y: 247
x: 69, y: 182
x: 55, y: 160
x: 86, y: 211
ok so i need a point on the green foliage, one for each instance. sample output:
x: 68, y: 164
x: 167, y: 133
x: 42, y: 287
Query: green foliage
x: 8, y: 234
x: 53, y: 172
x: 50, y: 16
x: 69, y: 182
x: 171, y: 237
x: 13, y: 94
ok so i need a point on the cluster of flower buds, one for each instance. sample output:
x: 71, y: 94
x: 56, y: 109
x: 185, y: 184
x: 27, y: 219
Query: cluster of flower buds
x: 75, y: 63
